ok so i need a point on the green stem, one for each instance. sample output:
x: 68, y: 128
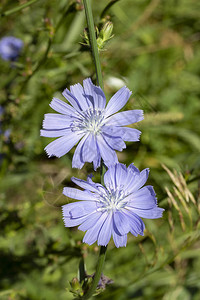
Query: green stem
x: 44, y: 57
x: 98, y: 273
x: 17, y: 8
x: 95, y: 55
x: 37, y: 67
x: 82, y: 272
x: 93, y: 41
x: 102, y: 172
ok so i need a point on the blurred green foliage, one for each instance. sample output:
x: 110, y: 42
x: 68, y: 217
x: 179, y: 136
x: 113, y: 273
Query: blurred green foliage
x: 155, y: 53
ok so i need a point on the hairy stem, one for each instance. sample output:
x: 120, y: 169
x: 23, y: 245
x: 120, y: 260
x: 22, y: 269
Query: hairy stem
x: 98, y: 273
x: 95, y: 55
x: 93, y: 41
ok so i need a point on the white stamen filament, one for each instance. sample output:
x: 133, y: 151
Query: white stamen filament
x: 112, y: 201
x: 90, y: 120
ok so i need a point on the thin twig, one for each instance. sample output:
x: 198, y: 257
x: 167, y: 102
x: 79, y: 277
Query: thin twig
x: 17, y: 8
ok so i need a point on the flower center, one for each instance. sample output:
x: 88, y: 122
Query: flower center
x: 112, y: 201
x: 90, y: 120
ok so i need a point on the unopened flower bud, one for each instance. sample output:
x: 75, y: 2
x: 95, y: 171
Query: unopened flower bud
x: 106, y: 31
x: 105, y: 35
x: 75, y: 284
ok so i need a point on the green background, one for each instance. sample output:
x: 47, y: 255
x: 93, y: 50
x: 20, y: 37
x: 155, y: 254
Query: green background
x: 154, y: 52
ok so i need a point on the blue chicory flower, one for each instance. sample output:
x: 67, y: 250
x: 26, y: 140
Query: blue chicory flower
x: 113, y: 210
x: 10, y: 48
x: 88, y: 120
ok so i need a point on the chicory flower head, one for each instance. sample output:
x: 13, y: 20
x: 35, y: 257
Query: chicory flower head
x: 113, y: 210
x: 10, y: 48
x: 88, y: 120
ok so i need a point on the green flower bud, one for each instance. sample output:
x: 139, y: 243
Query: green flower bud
x: 106, y: 31
x: 105, y: 35
x: 75, y: 284
x: 85, y: 37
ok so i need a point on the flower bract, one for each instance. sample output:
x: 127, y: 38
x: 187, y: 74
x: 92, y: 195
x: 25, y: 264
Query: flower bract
x: 113, y: 210
x: 89, y: 120
x: 10, y: 48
